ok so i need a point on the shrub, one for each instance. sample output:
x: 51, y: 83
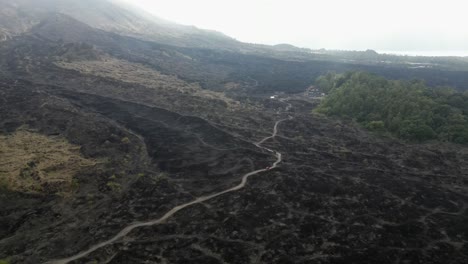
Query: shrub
x: 125, y: 140
x: 376, y: 126
x: 114, y: 186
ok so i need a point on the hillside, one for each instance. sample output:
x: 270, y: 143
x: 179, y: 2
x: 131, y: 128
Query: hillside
x: 119, y: 148
x: 20, y: 16
x: 118, y: 17
x: 213, y: 69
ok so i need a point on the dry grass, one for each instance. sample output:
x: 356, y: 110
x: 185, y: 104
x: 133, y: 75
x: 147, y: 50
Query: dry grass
x: 139, y: 74
x: 31, y: 162
x: 150, y: 87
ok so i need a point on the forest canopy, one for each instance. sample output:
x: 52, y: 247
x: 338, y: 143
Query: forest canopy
x: 407, y: 109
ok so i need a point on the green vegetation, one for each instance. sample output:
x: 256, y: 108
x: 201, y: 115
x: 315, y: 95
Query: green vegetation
x: 4, y: 261
x: 4, y: 185
x: 125, y: 140
x: 114, y: 182
x: 160, y: 178
x: 114, y: 186
x: 407, y: 109
x: 75, y: 185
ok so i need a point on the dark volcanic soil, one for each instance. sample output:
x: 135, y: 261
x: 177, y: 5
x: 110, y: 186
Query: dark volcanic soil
x: 341, y: 195
x: 356, y: 200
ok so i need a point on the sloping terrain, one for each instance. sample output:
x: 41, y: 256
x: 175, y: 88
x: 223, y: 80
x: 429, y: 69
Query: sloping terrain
x: 17, y: 17
x: 141, y: 75
x: 337, y: 199
x: 341, y: 196
x: 35, y: 163
x: 138, y: 143
x: 212, y: 69
x: 149, y: 127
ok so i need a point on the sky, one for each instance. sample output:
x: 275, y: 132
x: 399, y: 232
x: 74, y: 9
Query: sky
x: 398, y: 25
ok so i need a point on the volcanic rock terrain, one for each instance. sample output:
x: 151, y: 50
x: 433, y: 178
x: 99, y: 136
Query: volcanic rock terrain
x: 102, y: 133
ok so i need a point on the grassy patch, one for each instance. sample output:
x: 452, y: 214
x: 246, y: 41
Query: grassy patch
x: 140, y: 74
x: 31, y: 162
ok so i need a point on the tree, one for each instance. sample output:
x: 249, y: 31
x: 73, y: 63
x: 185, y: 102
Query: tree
x: 376, y: 126
x: 407, y: 109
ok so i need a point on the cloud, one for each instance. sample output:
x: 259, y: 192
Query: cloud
x: 336, y: 24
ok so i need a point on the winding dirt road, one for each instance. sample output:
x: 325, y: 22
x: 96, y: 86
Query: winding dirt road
x: 176, y: 209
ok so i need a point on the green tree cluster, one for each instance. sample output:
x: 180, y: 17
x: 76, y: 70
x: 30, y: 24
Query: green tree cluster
x: 407, y: 109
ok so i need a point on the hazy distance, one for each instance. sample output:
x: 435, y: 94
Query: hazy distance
x: 424, y: 27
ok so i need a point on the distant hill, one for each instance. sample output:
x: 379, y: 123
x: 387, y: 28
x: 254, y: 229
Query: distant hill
x: 17, y: 17
x: 289, y: 47
x: 21, y: 16
x: 207, y: 57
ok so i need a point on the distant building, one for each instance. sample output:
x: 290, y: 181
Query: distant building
x: 314, y: 92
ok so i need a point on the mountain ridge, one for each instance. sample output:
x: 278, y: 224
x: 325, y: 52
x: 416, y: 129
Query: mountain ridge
x: 21, y: 16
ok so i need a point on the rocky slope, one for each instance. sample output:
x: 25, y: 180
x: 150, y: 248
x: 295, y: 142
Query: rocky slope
x: 149, y: 126
x: 341, y: 195
x: 18, y: 17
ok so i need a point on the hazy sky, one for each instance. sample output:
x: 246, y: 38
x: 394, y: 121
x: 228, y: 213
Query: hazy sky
x: 333, y: 24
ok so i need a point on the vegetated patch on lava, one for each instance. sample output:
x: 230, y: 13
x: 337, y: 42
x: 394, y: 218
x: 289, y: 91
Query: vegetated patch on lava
x: 31, y: 162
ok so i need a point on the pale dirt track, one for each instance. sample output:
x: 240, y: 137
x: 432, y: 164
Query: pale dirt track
x: 176, y: 209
